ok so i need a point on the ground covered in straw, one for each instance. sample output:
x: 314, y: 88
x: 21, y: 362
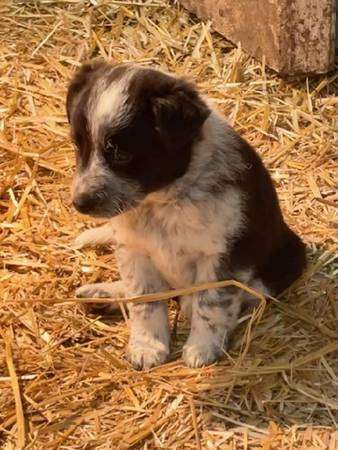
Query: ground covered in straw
x: 63, y: 380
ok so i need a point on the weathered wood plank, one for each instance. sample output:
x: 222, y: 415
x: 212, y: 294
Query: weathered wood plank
x: 296, y: 36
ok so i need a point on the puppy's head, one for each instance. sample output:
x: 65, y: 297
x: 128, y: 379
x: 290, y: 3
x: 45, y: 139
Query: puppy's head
x: 133, y: 130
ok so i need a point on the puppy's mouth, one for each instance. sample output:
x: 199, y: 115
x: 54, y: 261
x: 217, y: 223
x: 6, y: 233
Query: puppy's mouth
x: 103, y: 210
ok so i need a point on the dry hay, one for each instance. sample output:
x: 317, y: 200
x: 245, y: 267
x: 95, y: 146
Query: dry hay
x: 63, y: 380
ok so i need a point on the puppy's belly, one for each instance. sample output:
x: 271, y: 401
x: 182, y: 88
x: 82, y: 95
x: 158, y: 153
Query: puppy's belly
x: 181, y: 258
x: 178, y: 271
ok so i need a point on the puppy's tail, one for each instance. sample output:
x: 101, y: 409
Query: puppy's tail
x: 286, y: 264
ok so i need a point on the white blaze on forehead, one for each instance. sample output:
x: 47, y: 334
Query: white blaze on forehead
x: 110, y: 103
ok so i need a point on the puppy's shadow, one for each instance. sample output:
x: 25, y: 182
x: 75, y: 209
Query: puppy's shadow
x: 104, y: 311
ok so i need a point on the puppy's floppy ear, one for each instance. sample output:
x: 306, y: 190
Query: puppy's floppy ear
x: 81, y: 79
x: 179, y: 112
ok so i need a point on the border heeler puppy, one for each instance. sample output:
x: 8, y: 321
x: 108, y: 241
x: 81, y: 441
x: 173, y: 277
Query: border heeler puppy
x: 189, y: 201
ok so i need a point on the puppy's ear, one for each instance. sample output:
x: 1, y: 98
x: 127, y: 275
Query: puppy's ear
x: 81, y: 79
x: 179, y: 113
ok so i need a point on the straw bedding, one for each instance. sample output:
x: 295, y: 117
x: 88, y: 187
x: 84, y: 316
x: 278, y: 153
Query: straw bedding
x: 63, y: 380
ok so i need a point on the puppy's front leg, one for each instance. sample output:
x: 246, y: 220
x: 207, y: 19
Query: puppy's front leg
x: 149, y: 327
x: 214, y: 316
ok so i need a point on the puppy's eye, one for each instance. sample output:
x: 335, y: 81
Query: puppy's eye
x: 115, y: 154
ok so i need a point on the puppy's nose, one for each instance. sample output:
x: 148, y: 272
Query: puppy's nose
x: 84, y: 203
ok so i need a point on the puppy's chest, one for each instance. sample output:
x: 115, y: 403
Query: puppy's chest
x: 177, y: 239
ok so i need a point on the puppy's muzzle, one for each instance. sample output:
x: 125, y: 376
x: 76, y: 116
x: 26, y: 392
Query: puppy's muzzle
x: 86, y: 203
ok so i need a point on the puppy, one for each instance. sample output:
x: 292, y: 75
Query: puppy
x: 189, y: 201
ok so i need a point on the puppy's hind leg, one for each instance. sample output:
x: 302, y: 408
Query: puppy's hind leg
x: 95, y: 236
x: 102, y: 290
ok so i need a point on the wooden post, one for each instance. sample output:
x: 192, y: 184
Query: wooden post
x: 296, y: 36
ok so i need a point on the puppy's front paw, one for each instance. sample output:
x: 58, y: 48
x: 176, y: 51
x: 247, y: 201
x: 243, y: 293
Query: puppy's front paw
x: 202, y: 354
x: 143, y: 356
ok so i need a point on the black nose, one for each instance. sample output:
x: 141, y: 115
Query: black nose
x: 84, y: 203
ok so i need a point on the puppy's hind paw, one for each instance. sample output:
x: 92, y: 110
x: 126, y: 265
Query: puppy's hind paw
x: 101, y: 290
x: 95, y: 236
x: 84, y: 239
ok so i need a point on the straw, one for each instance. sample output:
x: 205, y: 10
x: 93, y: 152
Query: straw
x: 64, y: 379
x: 20, y: 419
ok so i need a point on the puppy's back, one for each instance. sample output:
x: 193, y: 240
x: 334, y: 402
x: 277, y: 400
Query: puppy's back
x: 267, y: 245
